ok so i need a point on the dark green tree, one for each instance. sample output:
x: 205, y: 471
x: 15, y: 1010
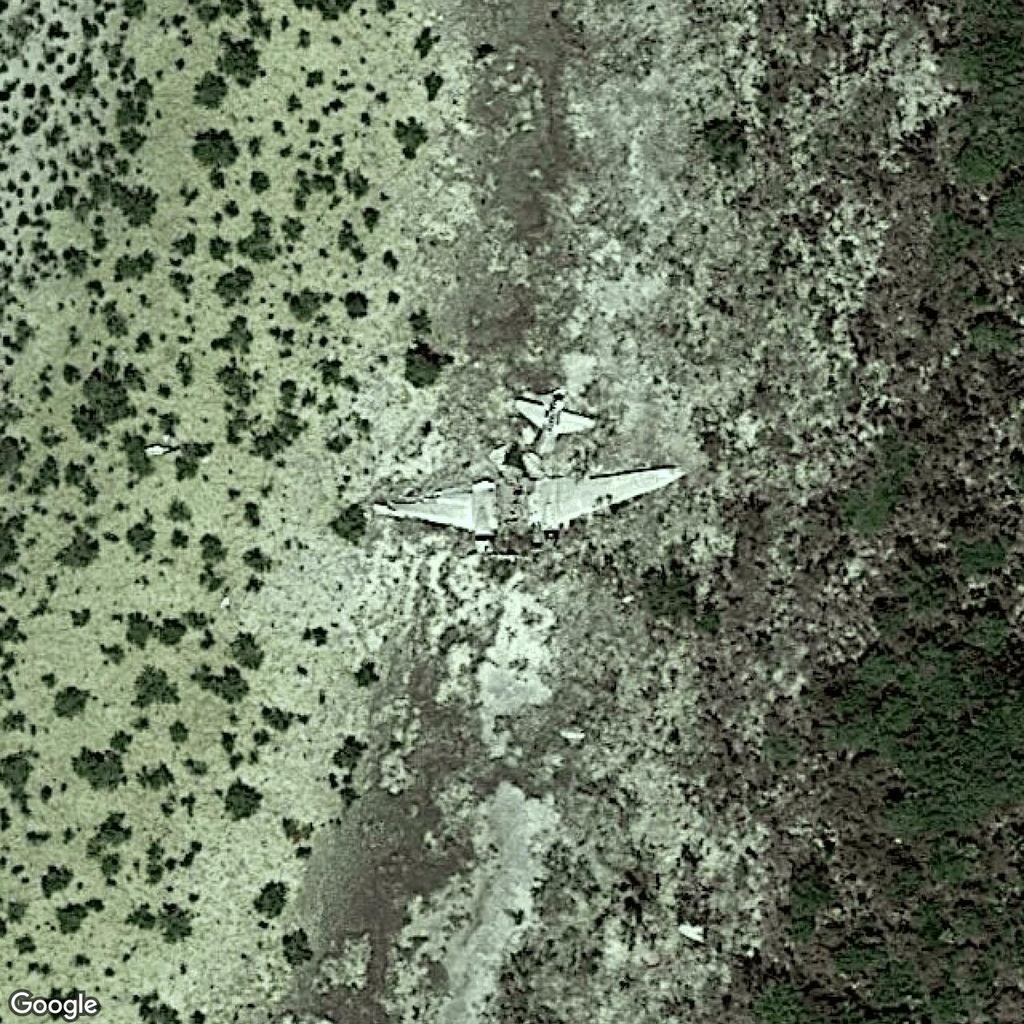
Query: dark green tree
x: 241, y: 801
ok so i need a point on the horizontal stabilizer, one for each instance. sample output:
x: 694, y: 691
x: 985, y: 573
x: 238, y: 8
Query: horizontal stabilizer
x: 573, y: 423
x: 546, y: 413
x: 533, y: 411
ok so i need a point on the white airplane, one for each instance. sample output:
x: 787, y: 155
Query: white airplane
x: 538, y: 504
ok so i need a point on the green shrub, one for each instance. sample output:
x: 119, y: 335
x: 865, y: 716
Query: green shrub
x: 981, y: 556
x: 356, y: 305
x: 219, y: 247
x: 810, y: 892
x: 425, y: 41
x: 670, y: 592
x: 55, y: 879
x: 411, y: 134
x: 867, y: 509
x: 256, y: 560
x: 952, y: 861
x: 233, y: 286
x: 241, y: 801
x: 347, y: 757
x: 15, y: 770
x: 990, y: 337
x: 142, y: 917
x: 138, y: 205
x: 989, y: 634
x: 366, y: 674
x: 432, y: 83
x: 141, y: 536
x: 210, y: 91
x: 726, y: 143
x: 106, y: 391
x: 110, y: 832
x: 152, y: 686
x: 782, y: 1004
x: 76, y: 260
x: 70, y: 917
x: 186, y: 462
x: 102, y: 769
x: 991, y: 58
x: 246, y: 651
x: 954, y: 729
x: 952, y: 237
x: 306, y: 304
x: 894, y: 985
x: 153, y: 1011
x: 238, y: 338
x: 983, y: 158
x: 271, y: 900
x: 11, y: 529
x: 329, y: 10
x: 239, y: 59
x: 350, y: 523
x: 82, y: 550
x: 1008, y: 215
x: 70, y: 701
x: 171, y: 631
x: 47, y: 475
x: 423, y: 365
x: 133, y: 268
x: 858, y: 958
x: 286, y: 428
x: 258, y: 245
x: 174, y: 922
x: 230, y: 685
x: 296, y: 947
x: 159, y: 777
x: 348, y: 241
x: 138, y: 462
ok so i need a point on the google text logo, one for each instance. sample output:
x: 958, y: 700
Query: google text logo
x: 23, y: 1004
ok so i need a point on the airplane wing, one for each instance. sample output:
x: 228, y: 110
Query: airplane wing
x: 448, y: 508
x: 465, y: 508
x: 557, y: 501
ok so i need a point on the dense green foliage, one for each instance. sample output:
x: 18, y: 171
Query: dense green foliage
x: 914, y: 912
